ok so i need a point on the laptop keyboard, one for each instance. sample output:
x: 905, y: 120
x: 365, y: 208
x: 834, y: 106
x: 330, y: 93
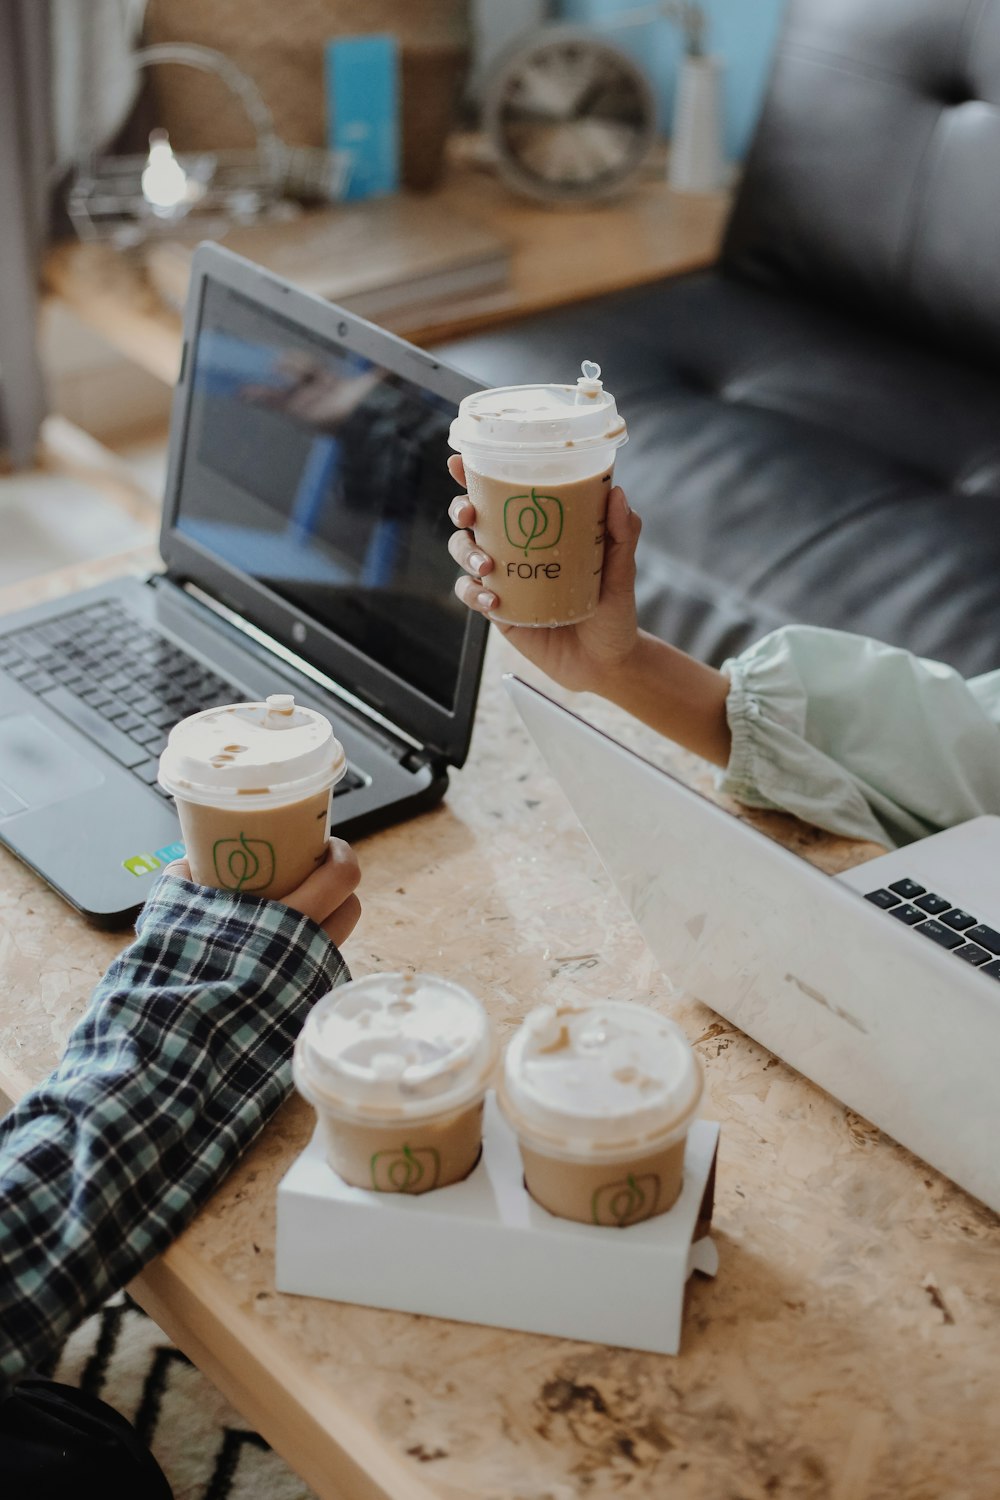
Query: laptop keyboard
x: 121, y: 683
x: 937, y: 919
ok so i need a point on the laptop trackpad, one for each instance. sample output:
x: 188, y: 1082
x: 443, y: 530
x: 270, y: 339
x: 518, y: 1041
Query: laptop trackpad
x: 37, y: 769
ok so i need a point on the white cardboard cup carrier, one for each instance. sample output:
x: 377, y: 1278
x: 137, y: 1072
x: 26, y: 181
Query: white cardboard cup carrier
x: 483, y: 1251
x: 253, y: 783
x: 539, y: 461
x: 396, y: 1067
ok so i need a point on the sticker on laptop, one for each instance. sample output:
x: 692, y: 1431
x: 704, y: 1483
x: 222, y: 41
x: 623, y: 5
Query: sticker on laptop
x: 146, y: 864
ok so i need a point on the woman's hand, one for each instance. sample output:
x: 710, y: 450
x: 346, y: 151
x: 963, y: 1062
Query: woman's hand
x: 583, y: 657
x: 327, y: 895
x: 607, y: 654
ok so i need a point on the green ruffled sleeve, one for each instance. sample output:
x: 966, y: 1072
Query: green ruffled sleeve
x: 860, y: 738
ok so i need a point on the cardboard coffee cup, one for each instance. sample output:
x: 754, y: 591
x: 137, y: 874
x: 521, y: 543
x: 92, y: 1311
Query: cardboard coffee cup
x: 601, y: 1097
x: 253, y: 783
x: 396, y: 1067
x: 539, y: 463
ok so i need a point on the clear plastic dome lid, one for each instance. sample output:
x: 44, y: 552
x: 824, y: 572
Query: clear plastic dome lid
x: 395, y: 1046
x: 540, y: 418
x: 600, y: 1077
x: 273, y: 751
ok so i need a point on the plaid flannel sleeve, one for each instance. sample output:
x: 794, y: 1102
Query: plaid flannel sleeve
x: 181, y: 1058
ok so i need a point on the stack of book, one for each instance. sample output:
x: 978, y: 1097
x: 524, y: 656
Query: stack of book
x: 393, y: 260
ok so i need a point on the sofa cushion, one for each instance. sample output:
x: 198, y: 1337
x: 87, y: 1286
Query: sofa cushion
x: 789, y: 462
x: 873, y: 175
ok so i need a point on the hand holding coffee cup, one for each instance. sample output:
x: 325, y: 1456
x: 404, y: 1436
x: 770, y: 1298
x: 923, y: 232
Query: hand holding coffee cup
x: 326, y: 896
x: 539, y: 461
x: 580, y: 656
x: 253, y: 784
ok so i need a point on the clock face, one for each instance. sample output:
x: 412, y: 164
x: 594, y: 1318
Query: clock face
x: 569, y: 116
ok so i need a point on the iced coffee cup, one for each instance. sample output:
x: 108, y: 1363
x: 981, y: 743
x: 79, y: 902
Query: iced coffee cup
x: 539, y: 462
x: 253, y: 783
x: 601, y: 1098
x: 396, y: 1067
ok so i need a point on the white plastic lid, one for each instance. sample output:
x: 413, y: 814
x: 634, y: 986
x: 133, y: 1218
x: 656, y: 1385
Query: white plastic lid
x: 395, y: 1046
x: 599, y: 1079
x: 540, y: 418
x: 265, y: 753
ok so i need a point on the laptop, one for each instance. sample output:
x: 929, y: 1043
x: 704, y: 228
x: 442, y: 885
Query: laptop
x: 870, y: 1002
x: 304, y: 541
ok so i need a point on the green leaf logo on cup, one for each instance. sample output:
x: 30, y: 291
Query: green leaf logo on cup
x: 533, y: 522
x: 243, y: 864
x: 627, y: 1201
x: 405, y: 1170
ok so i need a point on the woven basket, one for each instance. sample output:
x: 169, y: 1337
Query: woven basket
x: 280, y: 44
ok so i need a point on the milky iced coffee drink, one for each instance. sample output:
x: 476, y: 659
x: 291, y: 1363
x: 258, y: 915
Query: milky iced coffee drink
x: 601, y: 1097
x: 539, y: 464
x: 253, y: 783
x: 396, y: 1067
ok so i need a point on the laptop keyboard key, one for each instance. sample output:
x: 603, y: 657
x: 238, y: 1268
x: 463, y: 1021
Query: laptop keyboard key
x: 908, y: 914
x: 147, y: 769
x: 349, y: 782
x: 32, y: 646
x: 972, y: 954
x: 933, y: 904
x: 945, y: 936
x: 959, y: 919
x: 993, y: 969
x: 97, y: 698
x: 150, y: 734
x: 907, y: 889
x: 882, y: 898
x: 987, y: 937
x: 144, y: 703
x: 111, y: 739
x: 165, y: 717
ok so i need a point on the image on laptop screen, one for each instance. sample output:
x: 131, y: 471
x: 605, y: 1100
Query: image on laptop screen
x: 321, y: 475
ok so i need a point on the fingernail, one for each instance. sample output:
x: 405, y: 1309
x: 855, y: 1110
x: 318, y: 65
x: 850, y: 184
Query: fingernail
x: 486, y: 600
x: 456, y: 507
x: 477, y: 561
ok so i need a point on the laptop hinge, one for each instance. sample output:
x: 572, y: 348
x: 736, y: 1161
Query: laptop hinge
x: 402, y: 746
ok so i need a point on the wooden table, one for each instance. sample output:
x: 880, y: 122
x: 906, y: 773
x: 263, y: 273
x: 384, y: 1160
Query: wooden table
x: 560, y: 256
x: 847, y: 1349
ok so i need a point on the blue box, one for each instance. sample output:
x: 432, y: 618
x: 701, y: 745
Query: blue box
x: 362, y: 93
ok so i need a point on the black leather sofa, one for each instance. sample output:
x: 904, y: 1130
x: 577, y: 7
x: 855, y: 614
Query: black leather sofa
x: 815, y: 422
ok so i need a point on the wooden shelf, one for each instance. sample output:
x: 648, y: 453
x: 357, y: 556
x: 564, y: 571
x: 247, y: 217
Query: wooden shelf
x: 560, y: 256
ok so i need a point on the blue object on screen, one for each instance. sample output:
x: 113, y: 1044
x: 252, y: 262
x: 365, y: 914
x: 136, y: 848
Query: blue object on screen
x: 362, y: 91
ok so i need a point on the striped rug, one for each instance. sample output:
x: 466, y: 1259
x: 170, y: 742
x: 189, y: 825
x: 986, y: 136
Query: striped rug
x: 202, y: 1444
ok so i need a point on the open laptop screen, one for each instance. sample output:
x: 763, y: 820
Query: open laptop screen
x: 321, y: 475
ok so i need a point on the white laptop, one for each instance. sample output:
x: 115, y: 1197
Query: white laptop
x: 891, y: 1003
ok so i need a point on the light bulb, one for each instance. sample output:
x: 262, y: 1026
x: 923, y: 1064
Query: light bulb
x: 165, y: 184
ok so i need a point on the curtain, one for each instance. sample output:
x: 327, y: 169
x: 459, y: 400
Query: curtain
x: 66, y: 85
x: 25, y: 157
